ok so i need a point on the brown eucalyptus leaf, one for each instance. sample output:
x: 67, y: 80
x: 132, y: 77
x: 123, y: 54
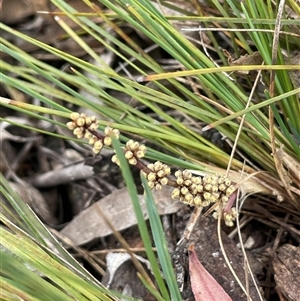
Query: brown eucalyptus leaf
x: 204, y: 286
x: 34, y: 199
x: 292, y: 165
x: 63, y: 175
x: 247, y: 59
x: 15, y: 11
x: 118, y: 208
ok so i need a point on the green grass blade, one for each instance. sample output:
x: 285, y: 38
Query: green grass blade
x: 160, y: 243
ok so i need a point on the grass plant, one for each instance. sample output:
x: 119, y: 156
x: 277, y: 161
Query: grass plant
x: 263, y: 125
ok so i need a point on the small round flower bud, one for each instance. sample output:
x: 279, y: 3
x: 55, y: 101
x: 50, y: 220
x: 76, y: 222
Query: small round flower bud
x: 108, y: 131
x: 157, y: 166
x: 151, y: 176
x: 115, y: 159
x: 207, y: 196
x: 227, y: 182
x: 214, y: 197
x: 160, y: 173
x: 134, y: 146
x: 178, y: 173
x: 224, y: 199
x: 179, y: 181
x: 74, y: 116
x: 207, y: 179
x: 93, y: 126
x: 78, y: 131
x: 80, y: 121
x: 214, y: 188
x: 71, y: 125
x: 187, y: 182
x: 107, y: 141
x: 208, y: 187
x: 132, y: 161
x: 188, y: 199
x: 151, y: 166
x: 186, y: 174
x: 229, y: 191
x: 222, y: 187
x: 143, y: 148
x: 175, y: 193
x: 92, y: 140
x: 128, y: 155
x: 88, y: 135
x: 158, y: 186
x: 151, y: 184
x: 197, y: 200
x: 140, y: 154
x: 164, y: 181
x: 98, y: 145
x: 205, y: 203
x: 199, y: 188
x: 184, y: 190
x: 87, y: 121
x: 197, y: 180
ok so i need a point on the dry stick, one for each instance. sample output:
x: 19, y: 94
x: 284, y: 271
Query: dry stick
x: 125, y: 245
x: 245, y: 254
x: 134, y: 250
x: 89, y: 257
x: 242, y: 123
x: 239, y: 30
x: 190, y: 226
x: 207, y: 53
x: 246, y: 291
x: 228, y: 261
x: 275, y: 219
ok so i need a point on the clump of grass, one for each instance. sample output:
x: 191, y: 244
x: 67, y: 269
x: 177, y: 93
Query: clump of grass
x: 262, y: 128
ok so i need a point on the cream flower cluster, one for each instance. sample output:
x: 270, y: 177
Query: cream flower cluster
x: 133, y: 151
x: 189, y: 189
x: 84, y: 127
x: 197, y: 191
x: 158, y: 175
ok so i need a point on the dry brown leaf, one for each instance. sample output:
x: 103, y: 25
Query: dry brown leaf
x: 119, y: 210
x: 204, y: 286
x: 15, y: 11
x: 63, y: 175
x: 247, y: 59
x: 292, y: 164
x: 34, y: 199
